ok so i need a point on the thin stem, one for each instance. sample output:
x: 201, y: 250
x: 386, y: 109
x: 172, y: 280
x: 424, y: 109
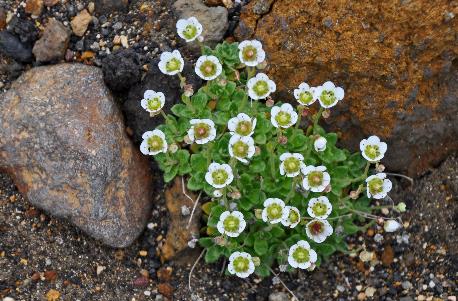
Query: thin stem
x: 300, y: 110
x: 401, y: 176
x: 164, y: 115
x: 316, y: 119
x: 192, y: 269
x: 295, y: 298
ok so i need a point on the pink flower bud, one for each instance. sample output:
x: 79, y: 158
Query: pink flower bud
x: 379, y: 167
x: 269, y: 102
x: 326, y: 113
x: 282, y: 140
x: 188, y: 90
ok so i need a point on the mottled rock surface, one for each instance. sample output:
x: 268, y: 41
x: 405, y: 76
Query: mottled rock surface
x: 62, y: 139
x: 122, y: 69
x: 11, y: 46
x: 109, y: 6
x: 137, y: 118
x: 397, y: 61
x: 180, y: 232
x: 53, y: 44
x: 213, y: 19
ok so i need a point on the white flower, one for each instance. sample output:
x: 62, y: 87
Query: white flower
x: 372, y: 149
x: 274, y: 211
x: 251, y: 52
x: 283, y: 116
x: 292, y: 217
x: 242, y: 125
x: 241, y: 147
x: 217, y: 193
x: 391, y: 225
x: 320, y: 144
x: 202, y: 131
x: 328, y: 94
x: 153, y: 101
x: 316, y: 179
x: 171, y: 63
x: 301, y: 256
x: 305, y: 95
x: 189, y: 29
x: 318, y: 230
x: 241, y: 264
x: 219, y: 175
x: 291, y: 164
x: 319, y: 207
x: 231, y: 223
x: 378, y: 186
x: 153, y: 143
x: 260, y: 86
x: 208, y: 67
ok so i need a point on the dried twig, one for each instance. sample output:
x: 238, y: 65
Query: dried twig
x: 401, y: 176
x: 295, y: 298
x: 192, y: 269
x: 193, y: 210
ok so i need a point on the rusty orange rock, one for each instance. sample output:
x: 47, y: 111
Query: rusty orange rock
x: 62, y: 139
x: 396, y: 61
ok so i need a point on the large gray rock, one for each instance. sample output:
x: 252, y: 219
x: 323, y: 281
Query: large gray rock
x: 213, y: 19
x: 63, y: 141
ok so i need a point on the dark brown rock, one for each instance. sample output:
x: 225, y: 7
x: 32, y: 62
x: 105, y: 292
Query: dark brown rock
x: 53, y: 44
x: 63, y: 141
x: 2, y: 18
x: 399, y: 69
x: 108, y: 6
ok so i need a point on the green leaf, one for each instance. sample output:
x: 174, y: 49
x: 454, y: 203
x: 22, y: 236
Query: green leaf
x: 223, y: 104
x: 199, y: 100
x: 325, y: 249
x: 171, y: 174
x: 350, y: 228
x: 260, y: 247
x: 199, y: 163
x: 257, y: 165
x: 260, y: 138
x: 195, y: 182
x: 213, y: 253
x: 206, y: 242
x: 182, y: 110
x: 277, y: 231
x: 262, y: 270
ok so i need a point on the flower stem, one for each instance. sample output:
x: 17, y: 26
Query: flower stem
x: 300, y: 110
x: 182, y: 80
x: 316, y: 119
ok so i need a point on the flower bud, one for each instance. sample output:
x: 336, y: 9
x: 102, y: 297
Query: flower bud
x: 200, y: 38
x: 282, y: 140
x: 235, y: 195
x: 379, y: 167
x: 269, y: 102
x: 173, y: 148
x: 354, y: 194
x: 237, y: 74
x: 305, y: 111
x: 328, y: 188
x: 188, y: 90
x: 391, y: 225
x: 320, y: 144
x: 223, y: 82
x: 187, y: 140
x: 256, y: 261
x: 326, y: 113
x: 257, y: 150
x: 262, y: 65
x: 217, y: 193
x: 312, y: 267
x: 220, y: 240
x: 258, y: 213
x: 152, y: 114
x: 401, y: 207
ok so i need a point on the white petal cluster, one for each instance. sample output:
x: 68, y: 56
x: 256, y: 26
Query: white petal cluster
x: 241, y: 147
x: 251, y: 53
x: 319, y: 207
x: 241, y: 264
x: 242, y: 125
x: 301, y: 256
x: 305, y: 94
x: 274, y: 211
x: 219, y: 175
x: 291, y: 164
x: 316, y: 179
x: 202, y: 131
x: 231, y: 223
x: 372, y: 149
x: 283, y: 116
x: 318, y: 230
x: 152, y: 101
x: 171, y: 63
x: 292, y: 217
x: 260, y: 86
x: 328, y: 94
x: 208, y: 67
x: 153, y: 143
x: 189, y: 29
x: 378, y: 186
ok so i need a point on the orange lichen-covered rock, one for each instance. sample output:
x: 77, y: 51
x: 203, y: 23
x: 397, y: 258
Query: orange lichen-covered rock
x: 397, y: 61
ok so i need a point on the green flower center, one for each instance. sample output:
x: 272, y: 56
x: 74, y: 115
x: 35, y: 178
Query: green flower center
x: 375, y: 186
x: 305, y: 98
x: 293, y: 216
x: 190, y: 31
x: 283, y: 118
x: 316, y: 227
x: 208, y: 68
x: 241, y: 264
x: 301, y: 255
x: 155, y: 143
x: 154, y: 104
x: 219, y: 176
x: 291, y: 165
x: 173, y: 64
x: 372, y: 151
x: 319, y: 209
x: 201, y: 130
x: 240, y: 149
x: 231, y: 224
x: 274, y: 211
x: 315, y: 178
x: 327, y: 97
x: 261, y: 88
x: 243, y: 128
x: 249, y: 53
